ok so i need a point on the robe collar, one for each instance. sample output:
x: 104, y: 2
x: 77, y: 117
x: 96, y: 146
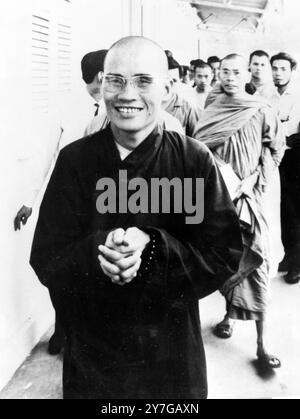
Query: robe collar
x: 140, y: 155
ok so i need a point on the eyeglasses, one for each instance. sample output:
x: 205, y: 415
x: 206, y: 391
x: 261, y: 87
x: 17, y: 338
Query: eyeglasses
x: 115, y: 84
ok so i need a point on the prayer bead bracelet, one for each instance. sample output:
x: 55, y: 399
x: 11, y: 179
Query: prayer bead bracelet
x: 150, y: 253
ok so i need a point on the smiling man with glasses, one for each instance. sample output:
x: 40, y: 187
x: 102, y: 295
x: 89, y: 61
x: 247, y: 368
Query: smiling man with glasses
x: 133, y: 95
x: 143, y: 83
x: 127, y: 282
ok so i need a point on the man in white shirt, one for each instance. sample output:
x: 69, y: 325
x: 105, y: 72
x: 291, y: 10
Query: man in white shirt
x: 62, y: 130
x: 215, y: 64
x: 65, y: 128
x: 203, y: 79
x: 261, y: 83
x: 283, y: 66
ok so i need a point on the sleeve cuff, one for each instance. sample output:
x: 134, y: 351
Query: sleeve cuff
x: 31, y: 198
x: 150, y: 254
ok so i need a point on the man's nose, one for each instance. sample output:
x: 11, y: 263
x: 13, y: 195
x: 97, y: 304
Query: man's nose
x: 129, y: 91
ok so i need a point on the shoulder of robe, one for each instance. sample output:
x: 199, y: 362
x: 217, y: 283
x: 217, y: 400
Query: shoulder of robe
x: 268, y: 111
x: 194, y: 151
x: 84, y: 146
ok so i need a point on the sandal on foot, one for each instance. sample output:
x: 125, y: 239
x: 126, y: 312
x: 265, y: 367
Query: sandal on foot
x: 269, y: 361
x: 224, y: 331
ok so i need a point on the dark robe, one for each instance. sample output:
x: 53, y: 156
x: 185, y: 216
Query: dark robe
x: 142, y: 340
x: 290, y: 204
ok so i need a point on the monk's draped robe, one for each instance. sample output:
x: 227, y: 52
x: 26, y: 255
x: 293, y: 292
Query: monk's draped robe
x: 269, y: 94
x: 246, y: 133
x: 142, y: 340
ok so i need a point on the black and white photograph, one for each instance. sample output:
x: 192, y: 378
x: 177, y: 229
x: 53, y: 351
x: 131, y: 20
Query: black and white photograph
x: 150, y: 202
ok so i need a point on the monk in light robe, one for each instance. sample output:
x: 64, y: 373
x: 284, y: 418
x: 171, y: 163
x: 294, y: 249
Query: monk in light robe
x: 244, y: 132
x: 261, y: 85
x: 127, y: 283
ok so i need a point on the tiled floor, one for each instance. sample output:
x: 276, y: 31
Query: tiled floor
x: 232, y: 370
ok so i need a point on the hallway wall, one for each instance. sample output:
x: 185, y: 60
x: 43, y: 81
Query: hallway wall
x: 35, y: 72
x: 173, y: 25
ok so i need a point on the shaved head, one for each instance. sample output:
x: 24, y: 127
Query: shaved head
x: 240, y: 59
x: 133, y: 46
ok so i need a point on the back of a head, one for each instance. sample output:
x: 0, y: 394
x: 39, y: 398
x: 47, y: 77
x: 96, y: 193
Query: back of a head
x: 92, y: 64
x: 283, y: 56
x: 213, y: 59
x: 172, y: 63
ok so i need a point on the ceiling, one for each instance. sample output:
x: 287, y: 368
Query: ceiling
x: 230, y: 15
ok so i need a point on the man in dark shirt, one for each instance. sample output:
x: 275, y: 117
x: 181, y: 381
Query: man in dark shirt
x: 283, y: 67
x: 127, y: 276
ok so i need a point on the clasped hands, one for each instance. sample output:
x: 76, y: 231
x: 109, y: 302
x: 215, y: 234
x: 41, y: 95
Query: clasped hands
x: 121, y: 256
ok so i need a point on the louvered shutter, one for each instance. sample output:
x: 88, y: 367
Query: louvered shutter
x: 40, y: 58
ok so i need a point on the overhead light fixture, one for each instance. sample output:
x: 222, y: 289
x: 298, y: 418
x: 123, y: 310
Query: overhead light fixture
x: 205, y: 20
x: 227, y: 2
x: 244, y: 19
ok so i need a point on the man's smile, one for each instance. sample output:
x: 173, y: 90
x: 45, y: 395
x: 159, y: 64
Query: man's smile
x: 128, y: 110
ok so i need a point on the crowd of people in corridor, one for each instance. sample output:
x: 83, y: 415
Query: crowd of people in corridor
x: 125, y: 287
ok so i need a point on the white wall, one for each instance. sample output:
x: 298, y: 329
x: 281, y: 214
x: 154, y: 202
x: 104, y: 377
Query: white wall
x: 25, y: 312
x: 173, y: 25
x: 25, y: 309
